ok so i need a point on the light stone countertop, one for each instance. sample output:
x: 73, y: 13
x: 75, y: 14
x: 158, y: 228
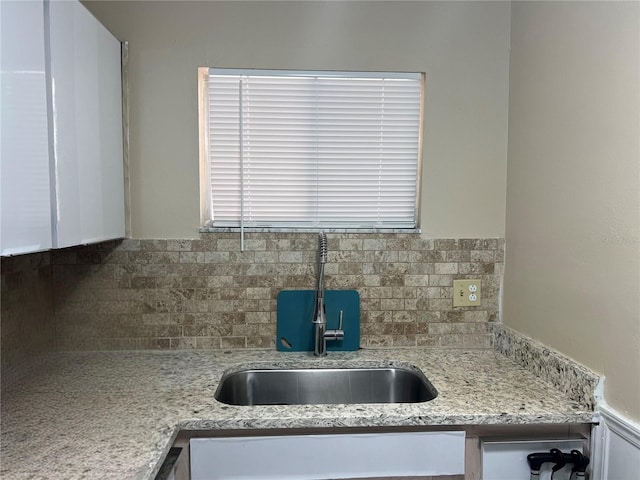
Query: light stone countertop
x: 103, y: 415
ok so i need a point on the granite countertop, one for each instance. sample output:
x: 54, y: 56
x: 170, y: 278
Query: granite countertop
x: 98, y: 415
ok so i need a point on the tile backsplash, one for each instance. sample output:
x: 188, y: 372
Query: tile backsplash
x: 27, y: 328
x: 206, y: 293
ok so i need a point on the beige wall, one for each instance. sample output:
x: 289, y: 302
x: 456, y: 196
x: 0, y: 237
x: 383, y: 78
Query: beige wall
x: 572, y: 275
x: 462, y: 47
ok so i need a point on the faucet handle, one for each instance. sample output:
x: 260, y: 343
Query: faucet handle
x: 335, y: 334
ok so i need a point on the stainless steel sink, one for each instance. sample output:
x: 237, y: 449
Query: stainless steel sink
x: 302, y: 386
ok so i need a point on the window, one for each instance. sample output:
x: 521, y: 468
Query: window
x: 310, y: 149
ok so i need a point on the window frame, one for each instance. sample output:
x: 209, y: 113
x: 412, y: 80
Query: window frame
x: 206, y: 214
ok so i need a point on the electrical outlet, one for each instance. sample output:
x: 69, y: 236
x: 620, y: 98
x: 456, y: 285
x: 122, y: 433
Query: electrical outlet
x: 466, y: 293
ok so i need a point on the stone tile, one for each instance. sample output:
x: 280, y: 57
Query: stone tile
x: 404, y: 280
x: 418, y: 243
x: 183, y: 343
x: 482, y: 256
x: 434, y: 256
x: 404, y: 316
x: 191, y: 257
x: 143, y: 282
x: 404, y: 292
x: 267, y: 257
x: 450, y: 341
x: 162, y: 331
x: 290, y: 257
x: 404, y: 340
x: 376, y: 292
x: 373, y: 316
x: 446, y: 268
x: 218, y: 281
x: 153, y: 245
x: 447, y: 244
x: 233, y: 342
x: 377, y: 341
x: 392, y: 304
x: 349, y: 269
x: 478, y: 243
x: 356, y: 256
x: 440, y: 304
x: 411, y: 304
x: 440, y: 280
x: 208, y: 343
x: 157, y: 319
x: 386, y: 256
x: 257, y: 317
x: 458, y: 256
x: 255, y: 244
x: 116, y: 257
x: 476, y: 316
x: 216, y: 257
x: 417, y: 280
x: 392, y: 281
x: 426, y: 341
x: 206, y: 330
x: 374, y: 244
x: 421, y: 303
x: 349, y: 244
x: 371, y: 280
x: 243, y: 258
x: 228, y: 245
x: 429, y: 317
x: 261, y: 342
x: 275, y: 244
x: 410, y: 256
x: 399, y: 242
x: 180, y: 245
x: 253, y: 330
x: 130, y: 245
x: 379, y: 329
x: 453, y: 316
x: 163, y: 343
x: 391, y: 268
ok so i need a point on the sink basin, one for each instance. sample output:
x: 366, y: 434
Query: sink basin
x: 303, y: 386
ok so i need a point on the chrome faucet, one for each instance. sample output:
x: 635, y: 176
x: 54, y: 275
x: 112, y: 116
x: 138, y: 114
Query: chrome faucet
x: 322, y: 335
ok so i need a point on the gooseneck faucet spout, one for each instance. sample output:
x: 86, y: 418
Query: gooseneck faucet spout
x: 319, y: 316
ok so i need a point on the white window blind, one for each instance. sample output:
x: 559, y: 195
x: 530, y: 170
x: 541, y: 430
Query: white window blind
x: 313, y: 149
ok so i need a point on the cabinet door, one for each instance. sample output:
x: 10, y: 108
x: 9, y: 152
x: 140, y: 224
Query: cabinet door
x: 87, y: 121
x: 507, y: 460
x: 313, y: 457
x: 24, y: 147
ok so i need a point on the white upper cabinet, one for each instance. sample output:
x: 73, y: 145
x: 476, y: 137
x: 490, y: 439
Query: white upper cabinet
x: 24, y: 140
x: 87, y: 119
x: 62, y: 170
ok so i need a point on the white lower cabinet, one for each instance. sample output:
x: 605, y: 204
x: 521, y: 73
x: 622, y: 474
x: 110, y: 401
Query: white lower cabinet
x: 507, y: 459
x: 308, y: 457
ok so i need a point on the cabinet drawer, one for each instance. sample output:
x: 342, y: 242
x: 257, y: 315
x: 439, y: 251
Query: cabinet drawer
x: 306, y: 457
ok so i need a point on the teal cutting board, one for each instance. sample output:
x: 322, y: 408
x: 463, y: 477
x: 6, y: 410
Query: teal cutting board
x: 295, y: 312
